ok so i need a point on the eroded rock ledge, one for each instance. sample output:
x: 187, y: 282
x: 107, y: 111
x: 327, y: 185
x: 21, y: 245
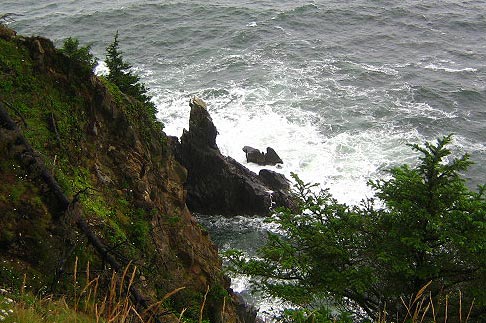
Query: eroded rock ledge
x: 218, y: 184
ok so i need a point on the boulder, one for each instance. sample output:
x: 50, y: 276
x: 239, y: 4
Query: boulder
x: 218, y: 184
x: 271, y: 157
x: 254, y: 155
x: 275, y: 181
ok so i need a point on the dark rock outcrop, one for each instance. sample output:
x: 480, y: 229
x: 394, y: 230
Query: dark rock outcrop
x: 246, y: 312
x: 218, y: 184
x: 271, y: 157
x: 254, y: 155
x: 274, y: 180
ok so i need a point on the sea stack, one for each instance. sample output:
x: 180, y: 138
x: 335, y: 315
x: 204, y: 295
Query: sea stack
x: 218, y: 184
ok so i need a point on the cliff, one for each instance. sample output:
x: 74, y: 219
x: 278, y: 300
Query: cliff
x: 88, y: 183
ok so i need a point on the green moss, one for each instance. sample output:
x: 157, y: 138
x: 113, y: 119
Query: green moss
x: 116, y: 234
x: 173, y: 220
x: 40, y: 100
x: 16, y: 192
x: 113, y: 89
x: 39, y: 136
x: 14, y: 58
x: 95, y: 205
x: 22, y: 208
x: 139, y: 228
x: 137, y: 112
x: 123, y: 203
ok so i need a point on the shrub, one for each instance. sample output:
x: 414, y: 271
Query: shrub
x: 80, y: 54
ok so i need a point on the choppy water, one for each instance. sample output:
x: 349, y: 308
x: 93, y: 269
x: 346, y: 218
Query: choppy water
x: 337, y: 88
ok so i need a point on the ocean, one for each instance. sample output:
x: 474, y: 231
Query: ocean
x: 337, y: 88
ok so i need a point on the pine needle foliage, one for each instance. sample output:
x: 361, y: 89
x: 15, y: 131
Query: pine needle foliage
x: 81, y: 54
x: 121, y: 73
x: 423, y: 225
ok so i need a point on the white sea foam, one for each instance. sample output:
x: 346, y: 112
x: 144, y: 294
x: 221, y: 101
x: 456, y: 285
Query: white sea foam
x: 465, y: 145
x: 445, y: 65
x: 438, y: 67
x: 173, y: 110
x: 268, y: 308
x: 271, y: 115
x: 380, y: 69
x: 101, y: 68
x: 424, y: 110
x: 342, y: 161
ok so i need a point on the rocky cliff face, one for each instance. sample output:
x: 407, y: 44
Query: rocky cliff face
x: 218, y: 184
x: 109, y: 157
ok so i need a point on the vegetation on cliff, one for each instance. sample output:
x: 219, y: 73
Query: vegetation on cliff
x: 420, y: 240
x: 121, y: 75
x: 88, y: 184
x: 81, y: 55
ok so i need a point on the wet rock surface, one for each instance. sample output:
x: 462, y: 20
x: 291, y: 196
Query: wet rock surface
x: 254, y: 155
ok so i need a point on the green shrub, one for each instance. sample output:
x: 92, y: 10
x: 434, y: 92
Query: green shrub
x: 80, y: 54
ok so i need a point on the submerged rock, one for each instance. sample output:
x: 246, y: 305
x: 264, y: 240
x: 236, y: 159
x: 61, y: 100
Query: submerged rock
x: 218, y: 184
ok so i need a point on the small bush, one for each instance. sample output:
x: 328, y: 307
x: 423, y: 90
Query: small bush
x: 80, y: 54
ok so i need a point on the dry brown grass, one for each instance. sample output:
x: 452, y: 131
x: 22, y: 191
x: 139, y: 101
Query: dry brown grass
x: 421, y: 308
x: 114, y: 304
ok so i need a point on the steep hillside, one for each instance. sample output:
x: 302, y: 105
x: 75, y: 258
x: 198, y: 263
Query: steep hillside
x: 88, y: 181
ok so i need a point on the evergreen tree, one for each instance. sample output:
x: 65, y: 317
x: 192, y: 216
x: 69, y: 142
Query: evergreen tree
x: 121, y: 75
x: 425, y: 228
x: 82, y: 54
